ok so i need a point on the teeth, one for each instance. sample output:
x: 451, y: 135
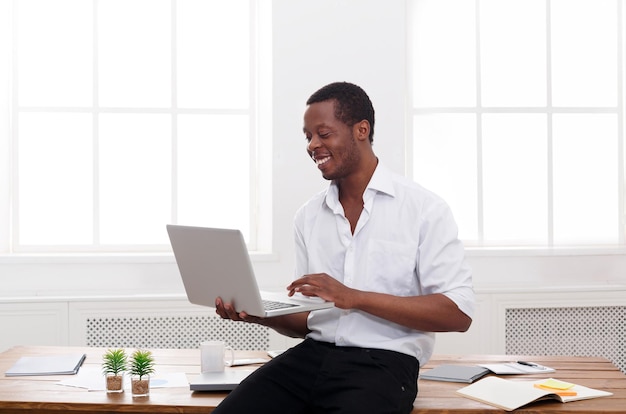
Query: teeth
x: 321, y: 160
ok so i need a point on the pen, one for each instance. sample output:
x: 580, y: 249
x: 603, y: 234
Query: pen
x: 530, y: 364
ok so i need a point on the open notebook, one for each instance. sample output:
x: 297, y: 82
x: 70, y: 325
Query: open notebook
x: 510, y: 395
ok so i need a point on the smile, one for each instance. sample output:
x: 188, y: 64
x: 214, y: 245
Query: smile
x: 321, y: 160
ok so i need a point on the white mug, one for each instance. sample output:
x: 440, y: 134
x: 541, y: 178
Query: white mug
x: 213, y: 356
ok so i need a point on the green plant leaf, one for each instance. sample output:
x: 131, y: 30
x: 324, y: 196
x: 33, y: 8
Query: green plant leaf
x: 114, y: 361
x: 141, y: 363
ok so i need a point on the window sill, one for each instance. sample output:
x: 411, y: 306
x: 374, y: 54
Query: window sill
x: 472, y: 251
x: 109, y: 258
x: 263, y: 256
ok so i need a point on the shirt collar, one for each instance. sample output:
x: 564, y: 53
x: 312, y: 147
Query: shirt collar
x: 381, y: 181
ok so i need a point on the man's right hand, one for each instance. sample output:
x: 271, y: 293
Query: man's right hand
x: 293, y: 325
x: 227, y: 311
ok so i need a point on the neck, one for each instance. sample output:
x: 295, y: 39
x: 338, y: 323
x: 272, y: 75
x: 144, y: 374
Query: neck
x: 353, y: 187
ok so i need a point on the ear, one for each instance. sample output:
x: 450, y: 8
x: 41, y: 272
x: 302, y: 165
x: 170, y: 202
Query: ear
x: 361, y: 130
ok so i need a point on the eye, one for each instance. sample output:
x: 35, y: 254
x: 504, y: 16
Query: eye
x: 307, y: 137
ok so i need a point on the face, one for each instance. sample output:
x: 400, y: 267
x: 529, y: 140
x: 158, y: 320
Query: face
x: 330, y: 143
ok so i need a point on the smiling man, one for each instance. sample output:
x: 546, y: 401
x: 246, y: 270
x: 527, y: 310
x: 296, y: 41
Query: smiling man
x: 386, y: 252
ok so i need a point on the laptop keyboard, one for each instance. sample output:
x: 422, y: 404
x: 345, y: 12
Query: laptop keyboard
x: 273, y: 305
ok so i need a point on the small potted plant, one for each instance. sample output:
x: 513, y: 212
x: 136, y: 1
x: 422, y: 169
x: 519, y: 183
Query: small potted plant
x: 141, y: 366
x: 113, y: 366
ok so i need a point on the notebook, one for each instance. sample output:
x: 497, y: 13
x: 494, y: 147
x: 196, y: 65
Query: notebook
x: 218, y: 381
x: 510, y: 395
x: 455, y: 373
x: 66, y: 364
x: 215, y: 262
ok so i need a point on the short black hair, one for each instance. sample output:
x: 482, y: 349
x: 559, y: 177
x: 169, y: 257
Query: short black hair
x: 352, y: 104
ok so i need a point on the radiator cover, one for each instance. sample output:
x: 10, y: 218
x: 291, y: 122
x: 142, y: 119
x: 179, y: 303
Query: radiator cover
x: 175, y: 332
x: 576, y: 331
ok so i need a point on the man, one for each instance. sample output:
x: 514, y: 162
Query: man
x: 381, y: 247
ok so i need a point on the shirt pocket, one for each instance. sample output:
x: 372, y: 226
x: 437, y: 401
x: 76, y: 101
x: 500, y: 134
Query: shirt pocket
x: 391, y: 268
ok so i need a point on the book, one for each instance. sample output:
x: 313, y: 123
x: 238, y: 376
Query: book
x: 470, y: 373
x: 455, y: 373
x: 66, y: 364
x: 510, y: 395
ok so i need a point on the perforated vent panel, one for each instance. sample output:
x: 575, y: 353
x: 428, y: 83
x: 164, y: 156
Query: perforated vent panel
x: 581, y: 331
x: 174, y: 332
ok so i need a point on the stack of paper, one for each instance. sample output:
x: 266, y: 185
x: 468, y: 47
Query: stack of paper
x: 518, y: 367
x: 470, y: 373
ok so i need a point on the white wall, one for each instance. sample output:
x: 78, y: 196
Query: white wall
x: 316, y: 42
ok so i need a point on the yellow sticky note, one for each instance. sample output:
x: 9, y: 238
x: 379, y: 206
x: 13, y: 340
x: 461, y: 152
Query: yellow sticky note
x: 556, y: 384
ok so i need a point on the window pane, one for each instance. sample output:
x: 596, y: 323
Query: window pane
x: 135, y: 183
x: 55, y: 60
x: 444, y: 154
x: 212, y: 72
x: 584, y: 52
x: 134, y: 59
x: 538, y: 179
x: 55, y: 179
x: 99, y: 161
x: 513, y: 52
x: 444, y: 71
x: 214, y: 171
x: 515, y: 179
x: 585, y: 179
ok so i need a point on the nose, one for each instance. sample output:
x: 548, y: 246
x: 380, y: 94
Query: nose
x: 314, y: 143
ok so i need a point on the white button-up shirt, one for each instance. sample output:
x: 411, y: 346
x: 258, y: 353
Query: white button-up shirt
x: 405, y: 244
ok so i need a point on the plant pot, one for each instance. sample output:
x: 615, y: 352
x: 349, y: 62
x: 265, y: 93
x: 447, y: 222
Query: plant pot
x: 114, y: 383
x: 140, y: 386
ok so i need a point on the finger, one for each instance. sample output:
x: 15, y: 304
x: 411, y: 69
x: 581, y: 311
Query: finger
x: 231, y: 312
x: 298, y: 282
x: 226, y: 310
x: 219, y: 308
x: 309, y: 290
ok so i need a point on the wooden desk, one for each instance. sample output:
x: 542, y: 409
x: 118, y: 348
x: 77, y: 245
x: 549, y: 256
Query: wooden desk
x: 42, y: 395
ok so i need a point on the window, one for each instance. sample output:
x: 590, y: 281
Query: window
x: 127, y: 115
x: 518, y: 118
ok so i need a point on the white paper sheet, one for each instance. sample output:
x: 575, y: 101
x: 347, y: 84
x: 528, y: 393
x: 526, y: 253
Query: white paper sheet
x: 92, y: 379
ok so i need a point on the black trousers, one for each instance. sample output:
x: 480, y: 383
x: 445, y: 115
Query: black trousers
x: 318, y: 377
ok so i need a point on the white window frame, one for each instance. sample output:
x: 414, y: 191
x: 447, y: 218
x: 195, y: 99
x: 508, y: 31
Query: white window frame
x: 258, y: 112
x: 485, y: 249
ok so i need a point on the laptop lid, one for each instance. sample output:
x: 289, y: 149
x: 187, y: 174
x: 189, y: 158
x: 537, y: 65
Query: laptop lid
x: 215, y: 262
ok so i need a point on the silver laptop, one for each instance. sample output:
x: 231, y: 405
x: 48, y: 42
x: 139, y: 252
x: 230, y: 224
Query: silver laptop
x: 215, y: 262
x: 218, y: 381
